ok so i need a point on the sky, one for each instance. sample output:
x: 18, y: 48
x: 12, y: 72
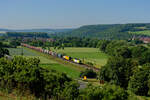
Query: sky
x: 27, y: 14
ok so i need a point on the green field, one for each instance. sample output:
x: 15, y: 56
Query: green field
x: 28, y: 53
x: 48, y: 61
x: 86, y: 54
x: 71, y: 72
x: 146, y: 32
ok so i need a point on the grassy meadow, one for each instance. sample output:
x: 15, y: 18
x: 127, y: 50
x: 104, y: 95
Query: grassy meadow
x: 71, y: 72
x: 28, y: 53
x: 92, y: 55
x: 146, y: 32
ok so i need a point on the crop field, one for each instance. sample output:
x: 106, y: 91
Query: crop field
x: 71, y: 72
x: 146, y: 32
x: 92, y: 55
x: 47, y: 61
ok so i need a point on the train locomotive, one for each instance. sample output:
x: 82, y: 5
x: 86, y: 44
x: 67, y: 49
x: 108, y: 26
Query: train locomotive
x: 59, y: 55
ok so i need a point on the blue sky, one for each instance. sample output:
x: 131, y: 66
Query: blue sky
x: 23, y: 14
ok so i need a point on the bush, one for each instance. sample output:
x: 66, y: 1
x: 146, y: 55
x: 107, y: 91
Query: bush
x: 24, y: 75
x: 70, y: 91
x: 118, y: 71
x: 89, y: 73
x: 52, y: 82
x: 138, y: 83
x: 106, y: 92
x: 3, y: 52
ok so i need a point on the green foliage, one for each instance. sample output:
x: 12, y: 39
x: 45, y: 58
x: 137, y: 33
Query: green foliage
x: 118, y: 71
x: 145, y: 57
x: 27, y: 34
x: 138, y: 50
x: 26, y: 70
x: 106, y: 92
x: 114, y: 45
x: 14, y: 43
x: 19, y: 73
x: 139, y: 82
x: 142, y: 32
x: 124, y: 52
x: 102, y: 44
x: 3, y: 52
x: 61, y: 42
x: 107, y: 31
x: 24, y: 75
x: 121, y: 48
x: 52, y: 81
x: 141, y: 54
x: 89, y: 73
x: 37, y: 43
x: 71, y: 91
x: 6, y: 45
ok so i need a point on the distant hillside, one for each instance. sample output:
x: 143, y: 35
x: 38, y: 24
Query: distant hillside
x: 4, y: 30
x: 107, y: 31
x: 44, y: 30
x: 37, y: 30
x: 27, y: 34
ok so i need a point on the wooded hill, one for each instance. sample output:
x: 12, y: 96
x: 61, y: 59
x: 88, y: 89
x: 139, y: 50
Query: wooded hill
x: 107, y: 31
x: 36, y: 30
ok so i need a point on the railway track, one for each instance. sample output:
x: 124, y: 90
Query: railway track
x: 85, y: 66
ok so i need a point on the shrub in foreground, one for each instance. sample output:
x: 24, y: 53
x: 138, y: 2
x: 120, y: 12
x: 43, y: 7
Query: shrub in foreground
x: 106, y: 92
x: 24, y: 75
x: 139, y: 82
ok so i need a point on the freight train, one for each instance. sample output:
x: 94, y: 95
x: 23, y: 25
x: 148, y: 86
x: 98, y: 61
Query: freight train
x: 68, y: 58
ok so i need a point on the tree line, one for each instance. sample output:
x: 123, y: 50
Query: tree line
x: 105, y: 31
x: 27, y: 34
x: 66, y: 42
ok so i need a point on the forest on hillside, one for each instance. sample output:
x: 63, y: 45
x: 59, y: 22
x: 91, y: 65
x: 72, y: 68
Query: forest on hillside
x: 106, y: 31
x: 102, y: 31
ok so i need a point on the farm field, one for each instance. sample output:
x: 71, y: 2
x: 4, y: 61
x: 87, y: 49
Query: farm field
x: 47, y: 61
x: 71, y: 72
x: 28, y: 53
x: 92, y: 55
x: 146, y: 32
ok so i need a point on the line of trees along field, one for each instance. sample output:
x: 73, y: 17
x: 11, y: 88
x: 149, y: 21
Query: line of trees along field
x: 73, y: 42
x: 27, y: 34
x: 66, y: 42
